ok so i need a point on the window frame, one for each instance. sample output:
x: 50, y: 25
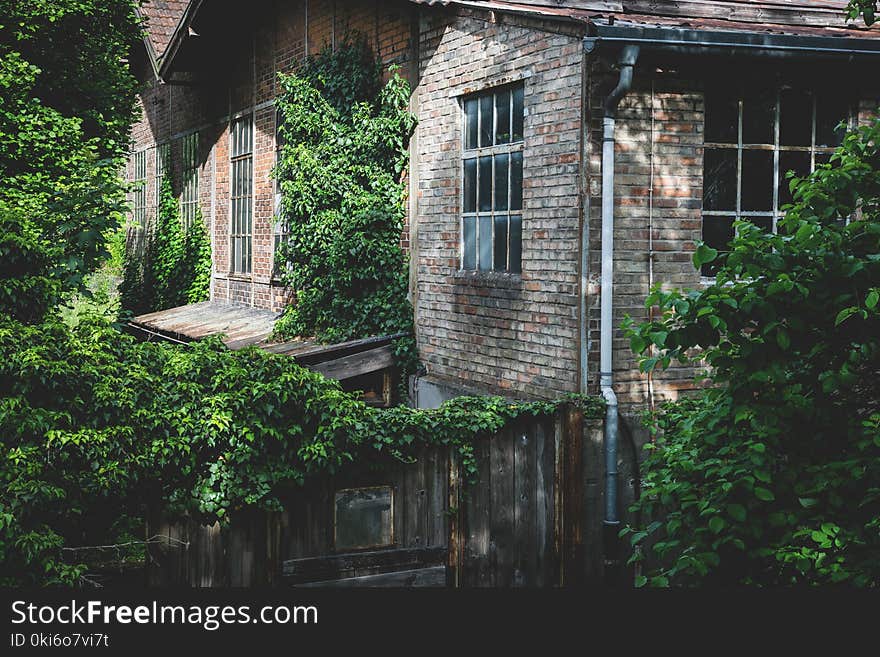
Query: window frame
x: 139, y: 189
x: 492, y: 151
x: 189, y: 193
x: 245, y: 158
x: 392, y: 534
x: 776, y: 148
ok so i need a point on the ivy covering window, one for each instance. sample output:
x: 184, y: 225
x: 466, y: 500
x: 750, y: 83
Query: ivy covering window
x: 189, y: 198
x: 139, y: 189
x: 492, y: 165
x: 163, y: 163
x: 751, y: 142
x: 241, y: 172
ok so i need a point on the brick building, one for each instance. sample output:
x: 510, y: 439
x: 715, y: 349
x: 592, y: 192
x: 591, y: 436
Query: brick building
x: 505, y: 222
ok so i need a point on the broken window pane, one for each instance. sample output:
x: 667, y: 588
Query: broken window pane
x: 363, y: 518
x: 796, y: 161
x: 759, y: 118
x: 500, y: 242
x: 830, y: 111
x: 722, y: 117
x: 719, y: 179
x: 502, y: 117
x: 795, y: 118
x: 757, y: 180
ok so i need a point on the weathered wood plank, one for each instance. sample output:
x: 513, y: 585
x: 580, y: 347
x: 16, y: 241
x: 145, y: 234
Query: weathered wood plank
x: 423, y: 577
x: 356, y: 364
x: 544, y: 497
x: 525, y: 540
x: 435, y: 484
x: 358, y: 563
x: 477, y: 519
x: 415, y: 506
x: 501, y: 545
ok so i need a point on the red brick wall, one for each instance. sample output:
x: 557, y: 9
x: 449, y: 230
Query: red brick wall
x: 283, y: 34
x: 507, y: 333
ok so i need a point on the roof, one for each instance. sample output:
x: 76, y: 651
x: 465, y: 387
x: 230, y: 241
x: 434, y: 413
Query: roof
x: 161, y: 18
x: 799, y: 17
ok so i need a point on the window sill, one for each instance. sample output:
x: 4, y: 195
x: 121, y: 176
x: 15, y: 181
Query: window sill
x: 498, y: 279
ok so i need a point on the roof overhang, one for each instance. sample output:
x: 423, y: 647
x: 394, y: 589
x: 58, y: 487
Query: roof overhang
x: 700, y: 41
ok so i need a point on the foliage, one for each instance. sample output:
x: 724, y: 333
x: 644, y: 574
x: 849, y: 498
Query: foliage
x: 172, y: 265
x: 771, y: 477
x: 341, y: 173
x: 867, y: 9
x: 64, y: 118
x: 97, y: 426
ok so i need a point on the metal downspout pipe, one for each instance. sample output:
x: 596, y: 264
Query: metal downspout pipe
x: 628, y: 57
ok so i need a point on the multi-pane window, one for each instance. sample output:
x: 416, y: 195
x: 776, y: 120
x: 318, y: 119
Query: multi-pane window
x: 163, y: 165
x: 492, y: 165
x: 242, y: 182
x: 139, y: 189
x: 751, y: 142
x: 189, y: 198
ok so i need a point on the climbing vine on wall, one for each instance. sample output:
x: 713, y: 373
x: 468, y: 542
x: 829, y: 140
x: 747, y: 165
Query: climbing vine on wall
x: 342, y: 177
x: 171, y: 266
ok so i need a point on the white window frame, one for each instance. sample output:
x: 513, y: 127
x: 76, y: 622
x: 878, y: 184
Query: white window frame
x: 139, y: 189
x: 189, y: 195
x: 241, y: 194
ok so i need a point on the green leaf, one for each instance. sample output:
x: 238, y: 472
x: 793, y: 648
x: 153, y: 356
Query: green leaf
x: 808, y: 502
x: 872, y: 298
x: 640, y: 581
x: 716, y: 524
x: 845, y: 314
x: 737, y: 512
x: 704, y: 254
x: 764, y: 494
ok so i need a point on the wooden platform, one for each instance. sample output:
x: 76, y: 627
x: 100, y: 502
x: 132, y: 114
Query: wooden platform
x: 367, y: 363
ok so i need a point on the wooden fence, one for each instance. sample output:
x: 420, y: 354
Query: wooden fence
x: 525, y: 522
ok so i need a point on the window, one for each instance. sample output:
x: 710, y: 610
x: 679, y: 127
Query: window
x: 751, y: 142
x: 492, y: 165
x: 139, y: 189
x: 241, y: 175
x: 163, y: 164
x: 363, y: 518
x: 189, y: 199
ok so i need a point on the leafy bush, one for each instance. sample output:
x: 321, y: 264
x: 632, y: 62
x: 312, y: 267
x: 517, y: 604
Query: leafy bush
x: 773, y: 476
x: 96, y: 426
x: 341, y: 173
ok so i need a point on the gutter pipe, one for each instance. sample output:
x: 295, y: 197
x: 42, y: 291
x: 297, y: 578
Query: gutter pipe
x: 628, y: 57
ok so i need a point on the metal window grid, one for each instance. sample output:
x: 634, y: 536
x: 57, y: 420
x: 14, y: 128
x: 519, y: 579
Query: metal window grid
x: 241, y: 196
x: 485, y: 259
x: 189, y: 198
x: 139, y: 189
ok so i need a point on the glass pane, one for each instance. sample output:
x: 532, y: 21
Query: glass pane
x: 823, y: 158
x: 501, y: 181
x: 501, y: 242
x: 518, y: 114
x: 485, y: 243
x: 470, y: 117
x: 759, y: 116
x: 795, y: 118
x: 516, y: 180
x: 470, y: 185
x: 484, y: 198
x: 830, y: 111
x: 515, y: 244
x: 502, y: 117
x: 363, y: 518
x: 796, y: 161
x: 469, y: 255
x: 764, y: 223
x: 722, y: 117
x: 719, y: 179
x: 717, y: 233
x: 486, y: 120
x: 757, y: 180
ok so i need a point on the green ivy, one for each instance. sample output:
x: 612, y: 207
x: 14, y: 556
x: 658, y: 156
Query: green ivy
x: 173, y: 265
x: 97, y: 426
x: 342, y: 178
